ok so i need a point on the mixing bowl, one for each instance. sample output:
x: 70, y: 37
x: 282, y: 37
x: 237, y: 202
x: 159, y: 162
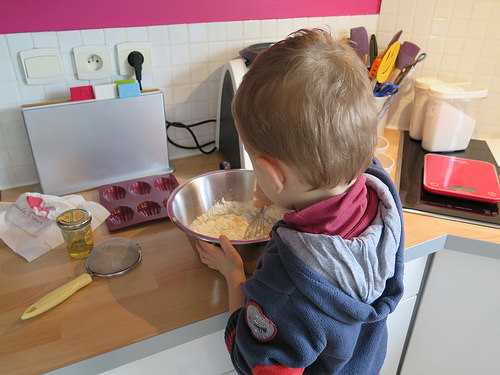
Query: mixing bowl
x: 196, y: 196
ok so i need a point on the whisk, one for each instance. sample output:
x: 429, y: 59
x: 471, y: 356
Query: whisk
x: 257, y: 226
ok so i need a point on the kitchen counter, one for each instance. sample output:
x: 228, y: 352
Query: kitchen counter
x: 169, y: 290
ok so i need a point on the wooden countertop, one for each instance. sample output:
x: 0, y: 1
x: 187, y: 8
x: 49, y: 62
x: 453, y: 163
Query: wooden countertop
x: 170, y: 289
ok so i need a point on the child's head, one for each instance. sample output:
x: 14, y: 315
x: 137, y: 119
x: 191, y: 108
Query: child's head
x: 306, y: 115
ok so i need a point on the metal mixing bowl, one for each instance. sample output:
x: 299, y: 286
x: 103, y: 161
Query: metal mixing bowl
x: 196, y: 196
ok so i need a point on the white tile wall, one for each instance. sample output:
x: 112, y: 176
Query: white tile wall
x: 93, y: 37
x: 45, y: 40
x: 186, y: 65
x: 462, y: 39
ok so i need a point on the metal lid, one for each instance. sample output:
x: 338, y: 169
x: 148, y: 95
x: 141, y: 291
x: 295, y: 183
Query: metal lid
x: 73, y: 219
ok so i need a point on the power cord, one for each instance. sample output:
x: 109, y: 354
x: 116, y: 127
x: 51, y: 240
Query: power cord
x: 195, y: 139
x: 135, y: 60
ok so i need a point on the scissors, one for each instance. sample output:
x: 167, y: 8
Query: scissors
x: 407, y: 68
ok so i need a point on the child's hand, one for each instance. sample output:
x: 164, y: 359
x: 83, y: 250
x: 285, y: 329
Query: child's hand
x: 224, y: 259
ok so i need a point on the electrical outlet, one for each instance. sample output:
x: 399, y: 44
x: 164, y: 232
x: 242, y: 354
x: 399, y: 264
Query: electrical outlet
x: 92, y: 62
x: 124, y: 49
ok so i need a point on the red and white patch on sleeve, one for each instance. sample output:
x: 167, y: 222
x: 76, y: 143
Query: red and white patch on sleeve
x: 261, y: 327
x: 230, y: 340
x: 276, y: 370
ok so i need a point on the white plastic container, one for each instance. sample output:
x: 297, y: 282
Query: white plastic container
x: 382, y: 107
x: 393, y: 111
x: 422, y: 86
x: 449, y: 122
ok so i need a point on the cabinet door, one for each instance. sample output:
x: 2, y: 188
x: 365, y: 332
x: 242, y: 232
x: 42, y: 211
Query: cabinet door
x: 397, y: 327
x: 456, y: 330
x: 206, y: 355
x: 399, y: 321
x: 414, y: 271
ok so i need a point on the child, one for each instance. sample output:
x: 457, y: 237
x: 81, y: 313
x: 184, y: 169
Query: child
x: 332, y: 272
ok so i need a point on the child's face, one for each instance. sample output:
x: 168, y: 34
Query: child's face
x: 265, y: 185
x: 278, y: 183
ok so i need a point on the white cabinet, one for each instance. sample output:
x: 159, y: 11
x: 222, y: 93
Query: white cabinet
x: 456, y: 330
x: 397, y: 326
x: 206, y: 355
x: 399, y: 321
x: 414, y: 271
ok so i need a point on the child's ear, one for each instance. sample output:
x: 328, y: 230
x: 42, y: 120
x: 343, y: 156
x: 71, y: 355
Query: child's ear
x: 274, y: 173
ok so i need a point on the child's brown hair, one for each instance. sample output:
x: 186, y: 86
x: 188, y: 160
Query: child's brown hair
x: 307, y: 102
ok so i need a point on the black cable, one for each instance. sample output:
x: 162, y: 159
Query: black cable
x: 195, y: 139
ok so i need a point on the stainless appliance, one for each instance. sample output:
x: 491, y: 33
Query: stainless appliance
x: 226, y: 136
x: 83, y: 145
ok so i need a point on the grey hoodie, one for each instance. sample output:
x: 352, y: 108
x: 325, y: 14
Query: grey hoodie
x: 359, y: 266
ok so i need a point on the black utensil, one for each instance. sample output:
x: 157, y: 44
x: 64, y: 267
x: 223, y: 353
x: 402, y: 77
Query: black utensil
x: 373, y: 50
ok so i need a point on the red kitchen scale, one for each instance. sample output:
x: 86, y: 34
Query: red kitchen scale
x: 461, y: 178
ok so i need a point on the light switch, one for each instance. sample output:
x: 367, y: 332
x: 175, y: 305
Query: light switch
x: 42, y: 66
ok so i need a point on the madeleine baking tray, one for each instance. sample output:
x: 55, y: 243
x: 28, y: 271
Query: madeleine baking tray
x: 137, y: 201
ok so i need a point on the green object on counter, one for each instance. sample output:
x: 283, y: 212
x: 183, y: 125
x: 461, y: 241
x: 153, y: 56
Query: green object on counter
x: 124, y: 81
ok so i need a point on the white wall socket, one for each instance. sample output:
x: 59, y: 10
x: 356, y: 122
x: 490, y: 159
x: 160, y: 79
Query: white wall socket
x: 124, y: 49
x: 92, y: 62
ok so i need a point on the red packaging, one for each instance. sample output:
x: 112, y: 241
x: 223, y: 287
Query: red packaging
x: 81, y: 93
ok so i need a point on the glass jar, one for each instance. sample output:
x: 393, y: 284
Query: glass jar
x: 77, y: 232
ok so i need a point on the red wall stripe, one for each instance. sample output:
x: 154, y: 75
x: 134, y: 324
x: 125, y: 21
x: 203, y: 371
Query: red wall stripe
x: 57, y: 15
